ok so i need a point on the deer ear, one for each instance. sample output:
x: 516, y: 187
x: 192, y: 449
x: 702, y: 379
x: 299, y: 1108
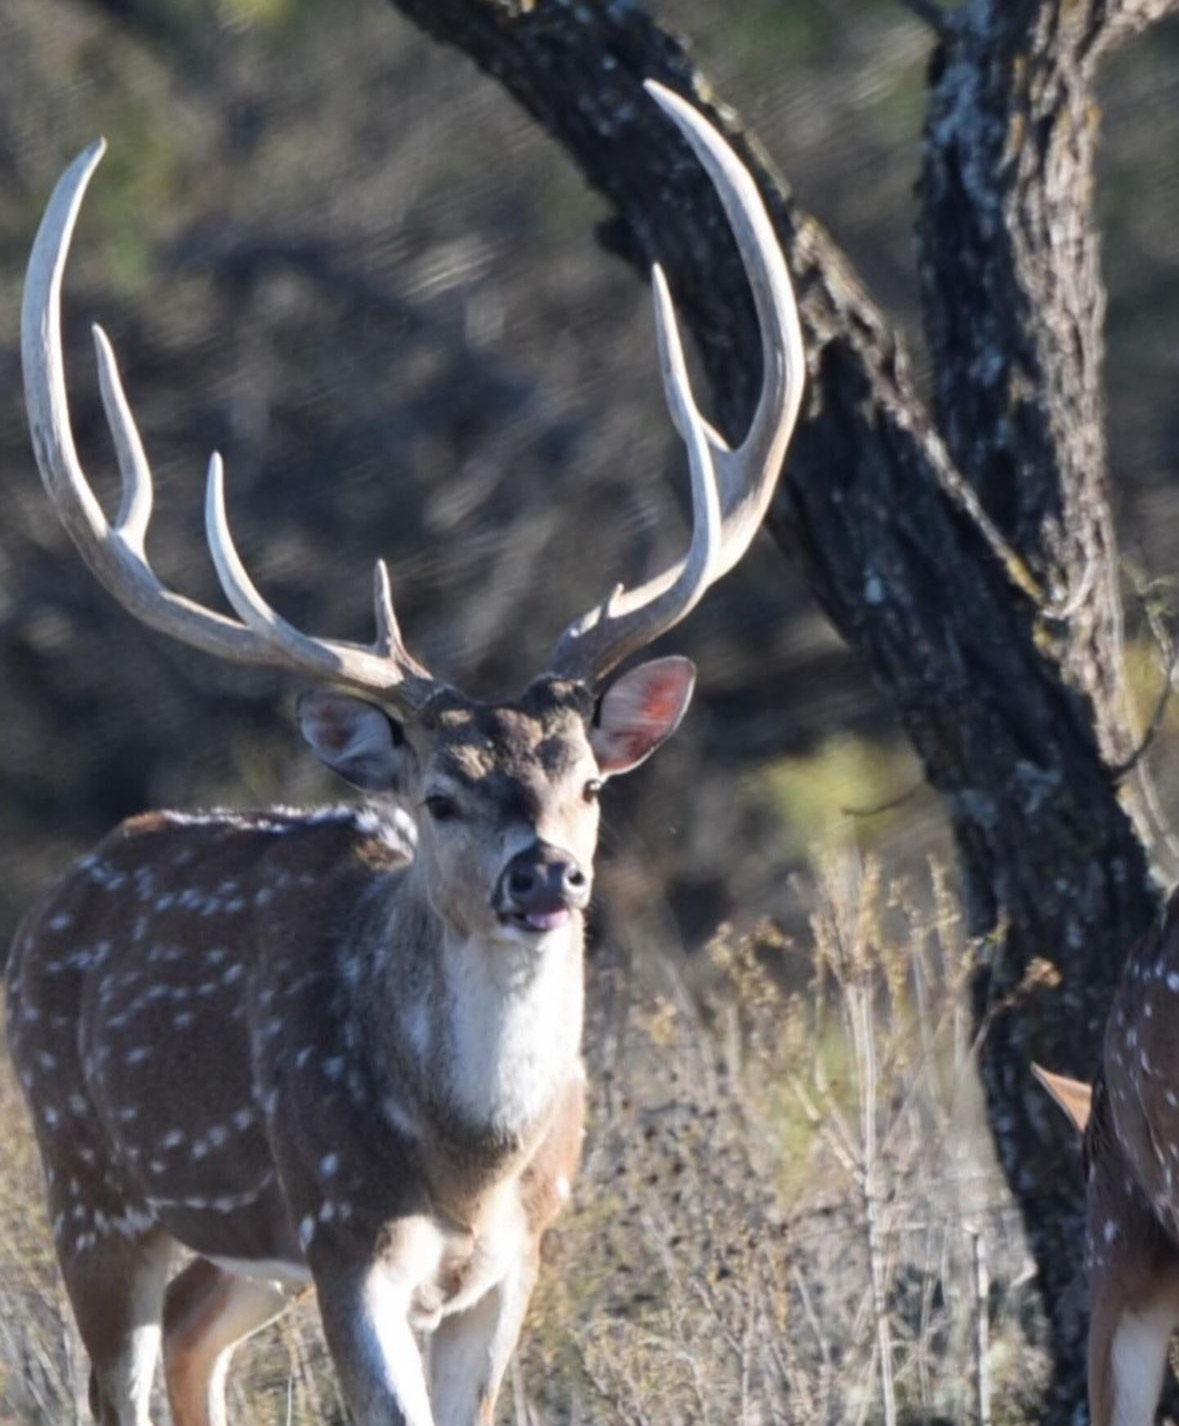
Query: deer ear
x: 356, y: 739
x: 640, y: 711
x: 1073, y: 1096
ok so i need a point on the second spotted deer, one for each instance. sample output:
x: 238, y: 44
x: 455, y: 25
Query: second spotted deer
x: 342, y: 1048
x: 1130, y: 1121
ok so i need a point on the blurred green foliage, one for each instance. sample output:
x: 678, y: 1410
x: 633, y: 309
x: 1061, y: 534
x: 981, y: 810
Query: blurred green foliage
x: 848, y: 787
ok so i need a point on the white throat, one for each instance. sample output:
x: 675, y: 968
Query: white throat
x: 512, y: 1014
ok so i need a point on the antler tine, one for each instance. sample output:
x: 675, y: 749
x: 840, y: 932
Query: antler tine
x: 116, y: 555
x: 383, y: 666
x: 741, y: 480
x: 135, y: 508
x: 389, y: 642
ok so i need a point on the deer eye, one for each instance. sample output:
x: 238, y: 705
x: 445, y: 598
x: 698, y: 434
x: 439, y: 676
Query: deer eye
x: 441, y: 807
x: 592, y: 788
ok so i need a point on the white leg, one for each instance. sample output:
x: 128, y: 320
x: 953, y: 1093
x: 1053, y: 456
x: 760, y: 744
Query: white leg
x: 366, y: 1323
x: 1134, y: 1293
x: 469, y: 1352
x: 117, y: 1289
x: 1137, y: 1360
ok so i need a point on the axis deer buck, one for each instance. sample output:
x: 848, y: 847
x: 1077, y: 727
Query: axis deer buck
x: 1130, y: 1122
x: 342, y: 1048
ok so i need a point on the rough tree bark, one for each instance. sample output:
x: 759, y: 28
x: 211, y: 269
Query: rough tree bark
x: 969, y: 551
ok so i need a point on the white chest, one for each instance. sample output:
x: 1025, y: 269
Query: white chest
x: 514, y: 1030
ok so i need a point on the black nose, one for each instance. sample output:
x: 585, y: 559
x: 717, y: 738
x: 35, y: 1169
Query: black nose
x: 541, y: 879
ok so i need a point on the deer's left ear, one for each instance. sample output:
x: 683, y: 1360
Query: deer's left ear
x: 640, y: 711
x: 1072, y: 1095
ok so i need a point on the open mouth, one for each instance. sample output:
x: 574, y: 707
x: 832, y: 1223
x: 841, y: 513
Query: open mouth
x: 538, y: 922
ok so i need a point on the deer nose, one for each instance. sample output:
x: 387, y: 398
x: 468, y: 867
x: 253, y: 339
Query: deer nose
x: 540, y: 882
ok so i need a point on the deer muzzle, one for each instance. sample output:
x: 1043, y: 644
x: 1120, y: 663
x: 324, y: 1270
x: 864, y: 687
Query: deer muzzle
x: 540, y: 888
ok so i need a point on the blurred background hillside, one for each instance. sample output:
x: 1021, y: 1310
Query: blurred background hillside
x: 339, y: 255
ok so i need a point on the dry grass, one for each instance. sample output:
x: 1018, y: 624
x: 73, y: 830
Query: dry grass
x: 787, y: 1199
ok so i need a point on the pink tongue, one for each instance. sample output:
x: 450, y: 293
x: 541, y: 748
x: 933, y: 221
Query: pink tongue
x: 546, y: 920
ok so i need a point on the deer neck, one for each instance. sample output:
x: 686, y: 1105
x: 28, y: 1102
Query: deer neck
x: 488, y: 1028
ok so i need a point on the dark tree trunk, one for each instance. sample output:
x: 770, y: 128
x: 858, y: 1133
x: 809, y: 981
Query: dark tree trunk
x: 970, y: 555
x: 1015, y: 311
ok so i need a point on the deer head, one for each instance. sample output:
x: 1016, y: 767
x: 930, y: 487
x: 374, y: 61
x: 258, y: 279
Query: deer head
x: 506, y: 795
x: 415, y: 735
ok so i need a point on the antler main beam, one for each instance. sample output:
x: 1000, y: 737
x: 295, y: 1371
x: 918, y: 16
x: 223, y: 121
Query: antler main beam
x: 116, y: 553
x: 731, y: 489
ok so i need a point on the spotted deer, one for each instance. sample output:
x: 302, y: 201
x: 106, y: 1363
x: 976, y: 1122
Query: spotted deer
x: 1130, y: 1121
x: 341, y: 1048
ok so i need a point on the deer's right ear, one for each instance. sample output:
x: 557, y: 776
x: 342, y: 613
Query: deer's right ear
x: 356, y: 739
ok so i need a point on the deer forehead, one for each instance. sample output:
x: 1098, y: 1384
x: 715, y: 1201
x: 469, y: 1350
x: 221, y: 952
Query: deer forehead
x: 498, y: 750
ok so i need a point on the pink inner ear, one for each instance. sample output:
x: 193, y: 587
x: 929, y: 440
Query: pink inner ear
x: 663, y: 698
x: 640, y: 711
x: 622, y: 751
x: 332, y: 728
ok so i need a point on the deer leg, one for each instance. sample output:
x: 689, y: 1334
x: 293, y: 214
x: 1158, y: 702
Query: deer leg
x: 1134, y: 1286
x: 1127, y: 1358
x: 470, y: 1351
x: 116, y: 1288
x: 365, y: 1315
x: 207, y: 1313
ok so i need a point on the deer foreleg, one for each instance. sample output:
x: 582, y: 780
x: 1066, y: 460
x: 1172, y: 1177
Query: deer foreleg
x: 1127, y: 1357
x: 1134, y: 1289
x: 470, y: 1351
x: 366, y: 1323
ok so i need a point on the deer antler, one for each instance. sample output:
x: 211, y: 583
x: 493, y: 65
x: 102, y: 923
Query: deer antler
x: 731, y: 489
x: 116, y: 554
